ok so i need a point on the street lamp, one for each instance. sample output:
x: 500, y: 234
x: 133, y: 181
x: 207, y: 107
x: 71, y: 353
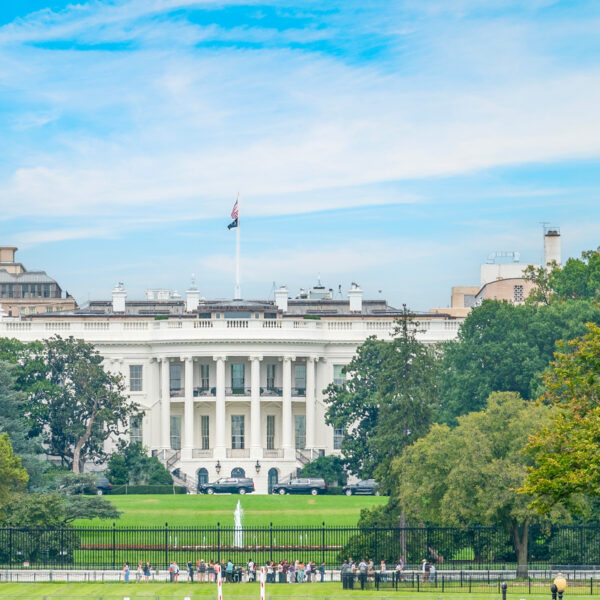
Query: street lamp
x: 218, y: 467
x: 257, y: 466
x: 561, y: 585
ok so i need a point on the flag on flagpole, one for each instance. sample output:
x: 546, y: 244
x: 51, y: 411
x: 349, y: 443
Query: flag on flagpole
x: 234, y: 215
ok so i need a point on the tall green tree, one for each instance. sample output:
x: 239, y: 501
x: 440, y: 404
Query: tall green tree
x: 75, y: 403
x: 130, y: 464
x: 469, y: 475
x: 330, y: 468
x: 388, y: 400
x: 503, y: 347
x: 567, y: 450
x: 13, y: 477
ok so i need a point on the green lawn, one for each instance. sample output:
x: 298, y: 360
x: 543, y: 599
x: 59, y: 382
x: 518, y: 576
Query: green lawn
x: 201, y: 510
x: 155, y: 591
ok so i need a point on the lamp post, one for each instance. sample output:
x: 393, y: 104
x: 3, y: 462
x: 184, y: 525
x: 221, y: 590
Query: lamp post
x: 560, y: 583
x: 257, y: 466
x: 504, y: 586
x: 218, y: 467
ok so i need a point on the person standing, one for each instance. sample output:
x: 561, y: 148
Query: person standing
x: 229, y: 571
x: 126, y: 572
x: 431, y: 573
x: 322, y: 571
x: 147, y: 572
x: 363, y: 569
x: 190, y: 570
x: 171, y: 572
x: 140, y: 572
x: 251, y: 570
x: 176, y: 572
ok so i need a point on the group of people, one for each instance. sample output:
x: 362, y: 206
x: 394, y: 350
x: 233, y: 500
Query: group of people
x: 366, y: 569
x: 206, y: 572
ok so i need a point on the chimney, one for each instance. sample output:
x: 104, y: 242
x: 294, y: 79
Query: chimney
x: 281, y: 298
x: 192, y: 298
x: 552, y: 251
x: 355, y: 295
x: 118, y: 298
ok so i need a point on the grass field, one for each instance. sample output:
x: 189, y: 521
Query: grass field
x: 155, y: 591
x: 201, y: 510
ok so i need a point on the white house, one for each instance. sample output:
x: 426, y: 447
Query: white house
x: 230, y: 387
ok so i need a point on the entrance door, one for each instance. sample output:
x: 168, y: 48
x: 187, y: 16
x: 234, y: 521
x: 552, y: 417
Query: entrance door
x: 202, y: 476
x: 238, y: 472
x: 273, y: 478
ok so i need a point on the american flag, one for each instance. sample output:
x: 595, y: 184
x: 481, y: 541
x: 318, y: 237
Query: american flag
x: 234, y: 212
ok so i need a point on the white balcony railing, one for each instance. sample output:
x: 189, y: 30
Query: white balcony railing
x: 238, y: 452
x: 198, y: 330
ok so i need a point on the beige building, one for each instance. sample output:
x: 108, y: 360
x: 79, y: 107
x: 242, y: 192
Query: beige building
x: 24, y: 292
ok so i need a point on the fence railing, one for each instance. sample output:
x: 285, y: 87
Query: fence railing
x: 470, y: 549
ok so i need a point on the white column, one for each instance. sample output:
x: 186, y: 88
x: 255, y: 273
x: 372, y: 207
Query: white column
x: 165, y: 404
x: 286, y: 433
x: 310, y: 402
x: 152, y: 436
x: 255, y: 439
x: 188, y: 410
x: 220, y: 409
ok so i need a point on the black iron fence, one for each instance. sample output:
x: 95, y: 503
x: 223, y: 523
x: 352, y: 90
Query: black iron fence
x: 475, y: 548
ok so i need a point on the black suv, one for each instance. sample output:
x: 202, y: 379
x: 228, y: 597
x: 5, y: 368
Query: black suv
x: 301, y: 486
x: 368, y: 487
x: 102, y: 486
x: 228, y: 485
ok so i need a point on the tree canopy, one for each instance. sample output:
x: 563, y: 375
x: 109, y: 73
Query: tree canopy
x: 130, y: 464
x: 330, y: 468
x: 387, y: 402
x: 567, y: 450
x: 470, y: 474
x: 13, y: 477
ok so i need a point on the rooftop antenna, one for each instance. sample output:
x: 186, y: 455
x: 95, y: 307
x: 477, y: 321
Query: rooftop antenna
x: 340, y: 290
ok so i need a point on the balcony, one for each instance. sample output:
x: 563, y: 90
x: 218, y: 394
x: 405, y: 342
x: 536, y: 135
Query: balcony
x: 177, y: 393
x: 297, y: 392
x: 272, y: 453
x: 237, y: 391
x: 238, y: 452
x: 200, y: 453
x: 205, y: 391
x: 271, y: 391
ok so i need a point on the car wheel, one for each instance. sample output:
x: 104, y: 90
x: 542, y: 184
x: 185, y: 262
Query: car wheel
x: 314, y: 492
x: 210, y: 491
x: 99, y: 492
x: 242, y: 491
x: 281, y: 492
x: 348, y: 492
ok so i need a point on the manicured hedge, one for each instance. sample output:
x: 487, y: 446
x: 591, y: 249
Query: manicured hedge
x: 148, y: 489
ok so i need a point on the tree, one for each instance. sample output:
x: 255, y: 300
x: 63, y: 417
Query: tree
x: 503, y: 347
x: 469, y: 475
x: 387, y: 403
x: 330, y: 468
x: 13, y: 420
x: 75, y: 403
x: 13, y: 477
x: 567, y: 450
x: 130, y: 464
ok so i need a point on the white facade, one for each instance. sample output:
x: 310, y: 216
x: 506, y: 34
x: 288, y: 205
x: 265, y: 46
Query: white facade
x: 243, y: 393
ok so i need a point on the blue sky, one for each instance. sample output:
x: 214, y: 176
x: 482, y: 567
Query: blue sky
x: 395, y: 144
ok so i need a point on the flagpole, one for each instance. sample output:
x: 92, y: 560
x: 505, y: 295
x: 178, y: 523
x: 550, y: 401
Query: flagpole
x: 238, y: 294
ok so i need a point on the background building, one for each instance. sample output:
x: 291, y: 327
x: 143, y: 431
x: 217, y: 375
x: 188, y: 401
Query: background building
x: 24, y: 292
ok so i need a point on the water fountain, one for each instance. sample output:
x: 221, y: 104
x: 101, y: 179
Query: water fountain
x: 238, y: 535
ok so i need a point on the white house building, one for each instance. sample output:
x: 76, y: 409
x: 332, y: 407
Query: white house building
x: 230, y: 388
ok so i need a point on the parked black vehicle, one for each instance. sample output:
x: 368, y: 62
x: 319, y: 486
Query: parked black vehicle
x: 367, y: 487
x: 301, y: 486
x: 102, y: 486
x: 228, y: 485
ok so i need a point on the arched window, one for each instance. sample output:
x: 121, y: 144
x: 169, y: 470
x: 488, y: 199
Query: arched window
x: 202, y: 476
x: 238, y: 472
x: 273, y: 478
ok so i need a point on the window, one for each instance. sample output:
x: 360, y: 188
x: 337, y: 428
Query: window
x: 237, y: 432
x: 46, y: 290
x: 204, y: 426
x: 518, y: 293
x: 135, y: 378
x: 202, y: 477
x: 270, y: 432
x: 237, y: 377
x: 270, y: 377
x: 135, y: 430
x: 300, y: 431
x: 175, y: 373
x: 338, y: 436
x: 300, y: 377
x: 176, y: 432
x: 204, y: 377
x: 338, y: 376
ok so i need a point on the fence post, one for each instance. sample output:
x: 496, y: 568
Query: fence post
x: 114, y: 552
x: 219, y: 542
x: 591, y: 585
x: 418, y: 581
x: 10, y: 547
x: 469, y: 585
x: 166, y: 545
x: 323, y: 543
x: 443, y: 583
x: 376, y: 546
x: 271, y: 543
x: 529, y: 578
